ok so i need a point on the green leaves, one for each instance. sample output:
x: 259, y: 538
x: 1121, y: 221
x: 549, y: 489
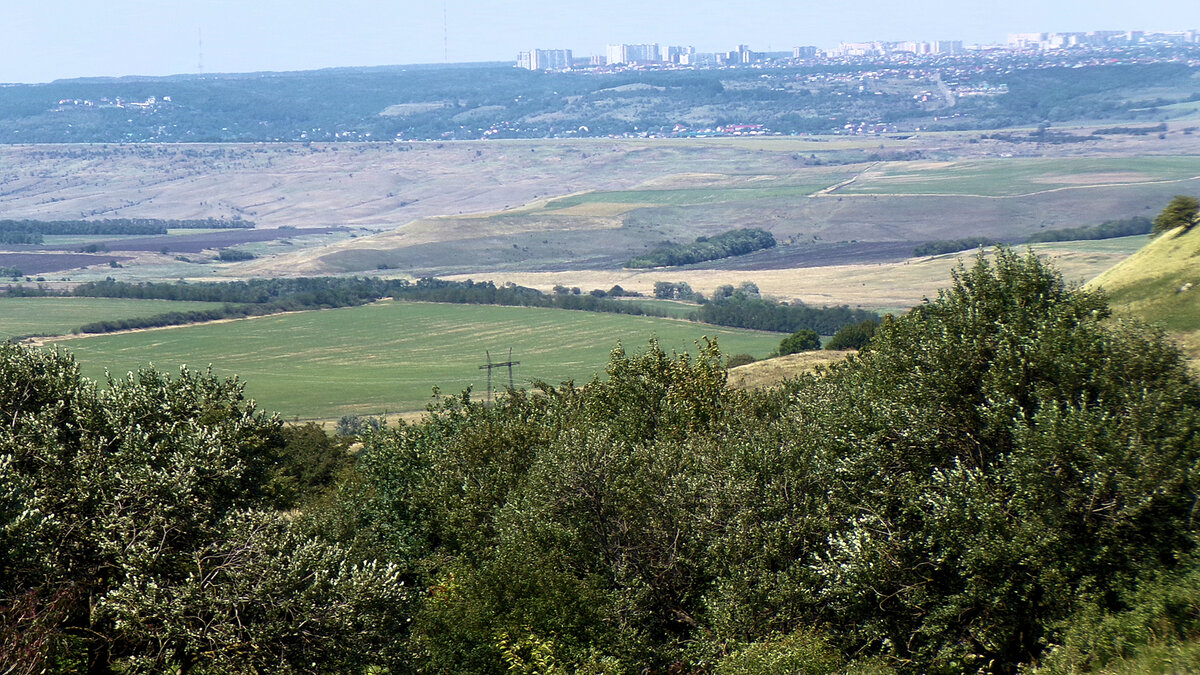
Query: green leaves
x: 1182, y: 211
x: 129, y: 536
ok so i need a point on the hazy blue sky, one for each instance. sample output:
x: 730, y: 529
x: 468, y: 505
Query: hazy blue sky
x: 42, y: 40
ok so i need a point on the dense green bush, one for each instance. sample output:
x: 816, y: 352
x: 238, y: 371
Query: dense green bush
x: 724, y: 245
x: 943, y: 246
x: 853, y: 336
x: 1000, y: 459
x: 136, y: 535
x: 1006, y: 478
x: 803, y: 340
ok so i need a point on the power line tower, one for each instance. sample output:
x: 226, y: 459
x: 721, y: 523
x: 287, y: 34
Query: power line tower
x: 489, y: 366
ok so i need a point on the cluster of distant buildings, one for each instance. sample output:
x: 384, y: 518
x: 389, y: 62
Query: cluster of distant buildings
x: 653, y: 54
x: 1099, y: 38
x: 105, y: 102
x: 639, y: 54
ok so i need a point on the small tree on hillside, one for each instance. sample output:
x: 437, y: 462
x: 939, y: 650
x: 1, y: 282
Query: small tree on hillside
x: 1181, y: 211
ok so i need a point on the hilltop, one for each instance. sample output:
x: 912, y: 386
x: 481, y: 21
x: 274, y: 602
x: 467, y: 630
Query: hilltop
x: 1159, y: 284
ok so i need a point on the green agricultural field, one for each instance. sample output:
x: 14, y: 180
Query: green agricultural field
x: 388, y: 356
x: 57, y: 316
x: 1012, y: 177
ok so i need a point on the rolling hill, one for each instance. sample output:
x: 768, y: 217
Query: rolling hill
x: 1161, y: 284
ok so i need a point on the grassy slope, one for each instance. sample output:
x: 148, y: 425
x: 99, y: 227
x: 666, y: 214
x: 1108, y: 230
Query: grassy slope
x: 389, y: 356
x: 768, y: 373
x: 1148, y: 285
x: 56, y: 316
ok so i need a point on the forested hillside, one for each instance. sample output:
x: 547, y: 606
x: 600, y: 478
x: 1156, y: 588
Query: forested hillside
x: 473, y: 101
x: 1004, y: 478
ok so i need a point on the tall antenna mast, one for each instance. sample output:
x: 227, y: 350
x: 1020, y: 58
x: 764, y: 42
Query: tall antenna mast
x: 445, y: 34
x: 200, y: 50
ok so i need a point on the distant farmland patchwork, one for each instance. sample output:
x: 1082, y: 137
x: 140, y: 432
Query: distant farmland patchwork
x: 389, y: 356
x: 867, y: 212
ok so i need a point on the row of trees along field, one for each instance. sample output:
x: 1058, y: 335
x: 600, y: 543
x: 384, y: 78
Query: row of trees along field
x: 1006, y: 478
x: 16, y: 232
x: 267, y: 296
x: 1109, y: 229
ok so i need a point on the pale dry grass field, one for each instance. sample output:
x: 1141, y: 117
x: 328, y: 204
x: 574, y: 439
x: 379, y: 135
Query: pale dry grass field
x: 885, y: 286
x: 771, y: 372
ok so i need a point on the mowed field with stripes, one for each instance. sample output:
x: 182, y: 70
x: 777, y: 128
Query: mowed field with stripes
x: 389, y: 356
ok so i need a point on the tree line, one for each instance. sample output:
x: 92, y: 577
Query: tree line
x: 133, y: 226
x: 724, y: 245
x: 1109, y: 229
x: 258, y: 297
x: 759, y: 313
x: 1003, y: 480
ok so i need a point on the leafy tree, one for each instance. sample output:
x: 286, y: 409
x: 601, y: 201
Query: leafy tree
x: 802, y: 340
x: 1003, y: 454
x: 999, y: 460
x: 853, y: 336
x: 131, y: 536
x: 1182, y: 211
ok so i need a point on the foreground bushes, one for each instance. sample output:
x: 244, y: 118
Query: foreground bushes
x: 1004, y: 477
x: 138, y: 534
x: 995, y: 465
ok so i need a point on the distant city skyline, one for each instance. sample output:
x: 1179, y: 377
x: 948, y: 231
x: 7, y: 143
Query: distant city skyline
x: 57, y: 39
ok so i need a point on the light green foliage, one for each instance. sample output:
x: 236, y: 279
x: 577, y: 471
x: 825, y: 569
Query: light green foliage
x: 130, y: 539
x: 1156, y: 623
x: 1182, y: 211
x: 801, y: 652
x: 803, y: 340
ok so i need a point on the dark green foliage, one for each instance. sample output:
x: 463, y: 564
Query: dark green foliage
x: 1023, y: 454
x: 19, y: 238
x: 1106, y: 230
x: 131, y: 538
x: 736, y: 360
x: 307, y: 464
x: 853, y: 336
x: 745, y: 311
x: 1182, y: 211
x: 268, y: 296
x: 133, y: 226
x: 724, y: 245
x: 952, y: 245
x: 1131, y: 131
x: 10, y: 272
x: 1005, y: 477
x: 999, y: 460
x: 673, y: 290
x: 1153, y: 623
x: 803, y: 340
x: 234, y: 255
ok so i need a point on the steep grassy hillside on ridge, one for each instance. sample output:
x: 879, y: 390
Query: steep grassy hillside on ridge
x: 1161, y: 284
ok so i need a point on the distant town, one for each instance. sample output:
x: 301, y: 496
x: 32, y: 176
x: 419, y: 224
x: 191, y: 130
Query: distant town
x: 641, y: 56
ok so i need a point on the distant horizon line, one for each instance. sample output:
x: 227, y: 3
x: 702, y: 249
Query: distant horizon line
x: 460, y: 64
